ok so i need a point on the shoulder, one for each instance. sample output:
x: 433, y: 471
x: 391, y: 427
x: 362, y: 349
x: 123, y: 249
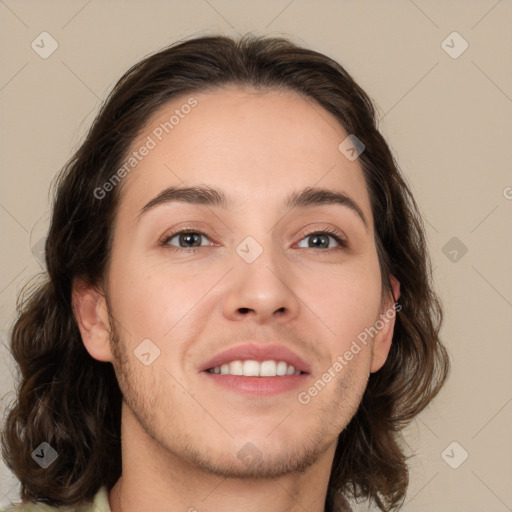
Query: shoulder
x: 99, y: 504
x: 341, y: 503
x: 33, y: 507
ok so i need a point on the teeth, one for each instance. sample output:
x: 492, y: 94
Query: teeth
x: 268, y: 369
x: 281, y: 368
x: 235, y: 368
x: 251, y: 368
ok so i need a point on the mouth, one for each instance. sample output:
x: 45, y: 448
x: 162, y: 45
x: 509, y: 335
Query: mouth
x: 252, y: 368
x: 257, y: 369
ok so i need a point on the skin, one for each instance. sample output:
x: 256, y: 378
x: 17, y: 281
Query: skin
x: 180, y: 432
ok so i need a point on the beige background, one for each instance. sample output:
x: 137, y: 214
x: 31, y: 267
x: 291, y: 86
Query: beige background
x: 448, y: 120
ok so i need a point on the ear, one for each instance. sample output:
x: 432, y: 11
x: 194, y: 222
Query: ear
x: 90, y: 309
x: 386, y: 324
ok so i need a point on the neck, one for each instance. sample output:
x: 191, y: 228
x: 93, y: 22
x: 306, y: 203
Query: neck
x: 154, y: 478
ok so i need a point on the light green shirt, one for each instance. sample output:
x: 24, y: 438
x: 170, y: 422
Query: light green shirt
x: 99, y: 504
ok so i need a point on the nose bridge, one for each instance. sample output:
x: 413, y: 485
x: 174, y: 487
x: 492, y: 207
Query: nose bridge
x: 259, y: 281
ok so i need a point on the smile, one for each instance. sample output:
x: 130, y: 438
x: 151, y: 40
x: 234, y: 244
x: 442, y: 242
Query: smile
x: 252, y: 368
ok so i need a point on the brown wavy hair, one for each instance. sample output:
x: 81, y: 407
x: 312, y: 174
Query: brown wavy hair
x: 73, y: 402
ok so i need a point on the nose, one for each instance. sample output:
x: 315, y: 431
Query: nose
x: 262, y: 291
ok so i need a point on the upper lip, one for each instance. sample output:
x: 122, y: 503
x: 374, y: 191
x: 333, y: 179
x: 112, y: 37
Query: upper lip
x: 257, y: 352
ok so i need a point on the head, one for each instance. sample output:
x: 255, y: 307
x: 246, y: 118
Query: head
x: 286, y: 237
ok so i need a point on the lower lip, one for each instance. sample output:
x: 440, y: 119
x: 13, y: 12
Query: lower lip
x: 258, y: 385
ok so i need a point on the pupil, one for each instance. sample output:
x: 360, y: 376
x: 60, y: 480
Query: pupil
x: 324, y: 242
x: 192, y: 238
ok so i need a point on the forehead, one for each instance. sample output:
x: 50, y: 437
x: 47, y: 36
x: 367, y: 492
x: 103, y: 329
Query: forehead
x: 256, y: 146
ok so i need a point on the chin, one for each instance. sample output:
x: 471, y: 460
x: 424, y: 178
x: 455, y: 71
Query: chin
x: 249, y: 462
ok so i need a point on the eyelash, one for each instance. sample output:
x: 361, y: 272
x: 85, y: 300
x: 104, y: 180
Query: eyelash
x: 328, y: 231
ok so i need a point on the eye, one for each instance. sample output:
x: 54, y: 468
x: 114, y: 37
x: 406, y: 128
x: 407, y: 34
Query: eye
x: 321, y: 239
x: 185, y: 240
x: 188, y: 240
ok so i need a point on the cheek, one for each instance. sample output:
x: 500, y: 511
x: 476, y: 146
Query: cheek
x: 151, y: 300
x: 345, y: 301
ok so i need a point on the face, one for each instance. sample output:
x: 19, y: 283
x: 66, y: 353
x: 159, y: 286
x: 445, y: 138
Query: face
x: 214, y: 300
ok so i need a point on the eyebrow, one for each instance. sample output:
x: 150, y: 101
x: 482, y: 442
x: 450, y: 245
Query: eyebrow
x: 211, y: 196
x: 200, y: 194
x: 322, y: 196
